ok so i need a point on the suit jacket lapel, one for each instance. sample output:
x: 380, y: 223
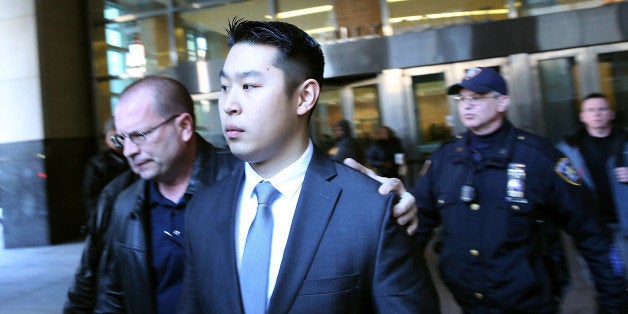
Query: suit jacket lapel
x: 221, y: 241
x: 314, y: 209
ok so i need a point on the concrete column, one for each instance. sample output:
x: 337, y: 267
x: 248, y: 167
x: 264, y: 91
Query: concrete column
x: 46, y: 128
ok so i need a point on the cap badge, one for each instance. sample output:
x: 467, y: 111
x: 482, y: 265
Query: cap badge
x: 471, y: 73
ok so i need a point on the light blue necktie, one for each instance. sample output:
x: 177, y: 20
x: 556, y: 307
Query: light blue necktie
x: 256, y: 258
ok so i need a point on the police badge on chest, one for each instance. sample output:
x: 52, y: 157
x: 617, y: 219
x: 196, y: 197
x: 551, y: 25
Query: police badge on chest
x: 516, y: 183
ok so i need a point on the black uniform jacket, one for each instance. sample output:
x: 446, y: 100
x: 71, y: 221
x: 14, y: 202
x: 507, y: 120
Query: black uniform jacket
x: 490, y: 249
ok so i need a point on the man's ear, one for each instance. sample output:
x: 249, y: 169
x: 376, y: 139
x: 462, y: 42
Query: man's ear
x: 504, y: 103
x: 186, y: 125
x: 307, y: 95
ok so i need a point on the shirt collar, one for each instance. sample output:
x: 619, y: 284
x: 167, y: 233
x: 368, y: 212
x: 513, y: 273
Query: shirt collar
x: 287, y: 181
x: 155, y: 197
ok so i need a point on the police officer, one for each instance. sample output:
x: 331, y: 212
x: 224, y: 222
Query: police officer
x: 496, y: 191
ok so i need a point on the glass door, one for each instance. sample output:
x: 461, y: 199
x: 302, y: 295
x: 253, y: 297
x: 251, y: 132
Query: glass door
x: 328, y: 111
x: 357, y: 103
x: 366, y: 115
x: 432, y: 113
x: 613, y: 75
x: 560, y: 78
x: 558, y: 83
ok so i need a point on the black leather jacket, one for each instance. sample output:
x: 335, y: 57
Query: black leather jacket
x: 101, y: 169
x: 120, y: 219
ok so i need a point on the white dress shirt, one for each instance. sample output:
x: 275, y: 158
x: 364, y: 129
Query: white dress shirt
x: 288, y: 182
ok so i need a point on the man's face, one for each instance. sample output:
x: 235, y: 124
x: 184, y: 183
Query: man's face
x: 339, y: 131
x: 596, y: 113
x: 481, y: 113
x: 260, y: 122
x: 156, y: 158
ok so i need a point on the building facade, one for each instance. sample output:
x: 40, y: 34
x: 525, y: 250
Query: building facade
x: 388, y: 63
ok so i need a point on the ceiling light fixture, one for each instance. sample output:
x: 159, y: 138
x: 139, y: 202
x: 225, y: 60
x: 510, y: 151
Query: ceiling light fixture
x: 306, y: 11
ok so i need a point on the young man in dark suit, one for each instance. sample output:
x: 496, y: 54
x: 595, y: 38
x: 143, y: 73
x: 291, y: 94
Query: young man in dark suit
x: 326, y: 242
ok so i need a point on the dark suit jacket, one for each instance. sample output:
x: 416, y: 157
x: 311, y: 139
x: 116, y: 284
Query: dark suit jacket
x: 344, y: 253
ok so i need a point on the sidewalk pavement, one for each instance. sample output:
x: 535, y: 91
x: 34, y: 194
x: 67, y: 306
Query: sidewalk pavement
x: 35, y: 281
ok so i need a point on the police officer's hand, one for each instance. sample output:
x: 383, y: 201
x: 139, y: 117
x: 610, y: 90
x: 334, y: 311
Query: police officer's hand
x: 405, y: 211
x: 621, y: 173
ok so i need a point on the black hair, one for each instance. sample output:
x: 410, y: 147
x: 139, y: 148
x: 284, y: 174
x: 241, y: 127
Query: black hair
x: 298, y: 54
x: 595, y: 95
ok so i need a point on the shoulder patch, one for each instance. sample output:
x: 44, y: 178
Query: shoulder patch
x: 565, y: 169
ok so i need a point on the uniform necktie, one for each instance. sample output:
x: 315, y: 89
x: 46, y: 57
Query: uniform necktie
x: 256, y: 258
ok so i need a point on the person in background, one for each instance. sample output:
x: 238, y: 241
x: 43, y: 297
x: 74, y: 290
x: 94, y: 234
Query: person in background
x: 322, y: 240
x: 132, y: 260
x: 102, y: 168
x: 498, y: 191
x: 344, y: 145
x: 599, y: 152
x: 381, y: 154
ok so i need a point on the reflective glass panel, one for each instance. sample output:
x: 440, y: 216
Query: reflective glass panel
x: 613, y: 72
x: 200, y: 34
x: 432, y: 111
x: 208, y: 122
x: 366, y: 116
x: 560, y: 96
x: 115, y: 9
x: 151, y: 32
x: 106, y: 97
x: 328, y: 111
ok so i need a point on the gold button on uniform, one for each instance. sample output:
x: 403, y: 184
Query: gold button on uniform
x: 441, y: 202
x: 478, y: 296
x: 515, y: 207
x: 474, y: 252
x: 475, y: 206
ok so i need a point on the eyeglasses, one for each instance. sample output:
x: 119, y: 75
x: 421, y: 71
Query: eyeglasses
x: 138, y: 138
x: 473, y: 100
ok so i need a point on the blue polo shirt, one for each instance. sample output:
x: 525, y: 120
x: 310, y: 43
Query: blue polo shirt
x: 166, y: 242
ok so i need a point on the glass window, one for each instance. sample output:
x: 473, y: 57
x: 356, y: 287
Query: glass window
x: 208, y: 26
x: 407, y: 15
x: 366, y: 116
x: 115, y: 9
x: 208, y: 121
x: 190, y: 39
x: 560, y: 96
x: 613, y: 72
x: 111, y: 13
x: 106, y: 97
x: 113, y: 37
x: 432, y: 111
x: 328, y: 111
x: 115, y: 63
x: 151, y: 32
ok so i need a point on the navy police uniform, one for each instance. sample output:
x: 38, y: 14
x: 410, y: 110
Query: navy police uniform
x: 490, y: 207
